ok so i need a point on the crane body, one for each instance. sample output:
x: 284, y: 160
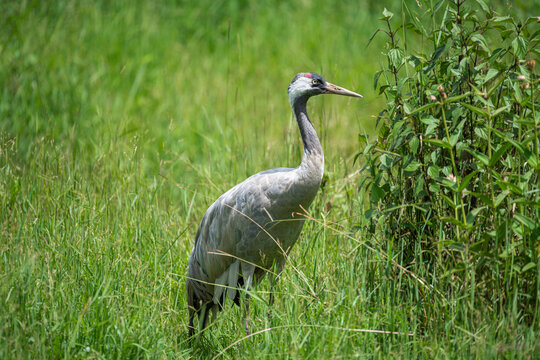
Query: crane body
x: 251, y: 228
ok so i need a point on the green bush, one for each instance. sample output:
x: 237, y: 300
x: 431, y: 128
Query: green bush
x: 453, y: 176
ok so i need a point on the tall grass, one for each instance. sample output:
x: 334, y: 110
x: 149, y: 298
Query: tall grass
x: 122, y: 121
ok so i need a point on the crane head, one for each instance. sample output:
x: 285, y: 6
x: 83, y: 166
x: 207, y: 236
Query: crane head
x: 311, y: 84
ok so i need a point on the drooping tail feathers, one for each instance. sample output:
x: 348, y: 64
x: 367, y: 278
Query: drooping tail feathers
x: 203, y: 297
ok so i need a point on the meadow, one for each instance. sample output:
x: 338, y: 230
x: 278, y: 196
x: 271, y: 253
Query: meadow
x: 121, y: 122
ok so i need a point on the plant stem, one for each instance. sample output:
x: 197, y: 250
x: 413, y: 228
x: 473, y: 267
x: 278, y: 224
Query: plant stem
x: 454, y: 167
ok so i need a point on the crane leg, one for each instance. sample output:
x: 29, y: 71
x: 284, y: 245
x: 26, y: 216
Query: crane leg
x: 273, y: 278
x: 247, y: 322
x: 203, y: 316
x: 247, y: 283
x: 272, y: 281
x: 191, y: 328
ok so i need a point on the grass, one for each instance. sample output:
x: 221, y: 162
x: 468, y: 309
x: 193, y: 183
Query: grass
x: 122, y: 122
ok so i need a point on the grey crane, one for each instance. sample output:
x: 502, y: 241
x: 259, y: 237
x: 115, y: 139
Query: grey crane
x: 251, y: 228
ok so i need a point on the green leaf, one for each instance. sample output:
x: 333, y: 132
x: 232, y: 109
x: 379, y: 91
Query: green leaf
x: 415, y: 61
x: 518, y: 230
x: 434, y: 187
x: 439, y: 143
x: 363, y: 139
x: 457, y: 97
x: 433, y: 171
x: 519, y: 45
x: 529, y: 266
x: 497, y: 155
x: 466, y: 181
x: 517, y: 92
x: 376, y: 79
x: 384, y: 130
x: 505, y: 185
x: 396, y: 57
x: 448, y: 200
x: 448, y: 183
x: 483, y: 5
x: 430, y: 130
x: 412, y: 166
x: 414, y: 143
x: 481, y: 41
x: 387, y: 15
x: 470, y: 218
x: 476, y: 110
x: 481, y: 132
x: 406, y: 108
x: 383, y: 88
x: 368, y: 148
x: 430, y: 120
x: 386, y: 161
x: 479, y: 156
x: 502, y: 19
x: 500, y: 110
x: 425, y: 107
x: 495, y: 86
x: 496, y: 54
x: 531, y: 19
x: 499, y: 199
x: 377, y: 193
x: 527, y: 202
x: 437, y: 53
x: 531, y: 158
x: 528, y: 222
x: 491, y: 73
x: 454, y: 138
x: 369, y: 214
x: 454, y: 221
x: 419, y: 187
x: 477, y: 246
x: 505, y: 34
x: 402, y: 81
x: 459, y: 247
x: 517, y: 145
x: 477, y: 91
x: 482, y: 197
x: 526, y: 122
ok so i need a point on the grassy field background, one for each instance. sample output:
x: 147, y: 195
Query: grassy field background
x: 121, y: 122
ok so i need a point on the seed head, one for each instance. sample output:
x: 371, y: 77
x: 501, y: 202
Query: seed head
x: 531, y: 64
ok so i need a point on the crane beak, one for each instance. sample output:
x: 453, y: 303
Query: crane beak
x: 333, y: 89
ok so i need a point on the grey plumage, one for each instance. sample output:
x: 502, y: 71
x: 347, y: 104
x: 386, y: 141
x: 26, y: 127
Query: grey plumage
x: 252, y: 226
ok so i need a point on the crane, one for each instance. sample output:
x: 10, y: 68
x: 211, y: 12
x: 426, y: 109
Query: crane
x: 251, y: 228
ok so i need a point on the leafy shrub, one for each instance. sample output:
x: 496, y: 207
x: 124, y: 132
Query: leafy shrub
x: 453, y: 177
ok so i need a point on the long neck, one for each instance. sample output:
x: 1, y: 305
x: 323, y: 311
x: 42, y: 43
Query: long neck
x: 313, y: 158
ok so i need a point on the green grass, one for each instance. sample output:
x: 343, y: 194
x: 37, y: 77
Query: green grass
x: 122, y: 122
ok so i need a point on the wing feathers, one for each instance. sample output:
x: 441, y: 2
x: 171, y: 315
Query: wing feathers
x: 219, y: 287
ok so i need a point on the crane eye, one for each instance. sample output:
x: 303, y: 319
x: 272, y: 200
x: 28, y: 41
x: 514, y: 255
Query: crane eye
x: 315, y: 82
